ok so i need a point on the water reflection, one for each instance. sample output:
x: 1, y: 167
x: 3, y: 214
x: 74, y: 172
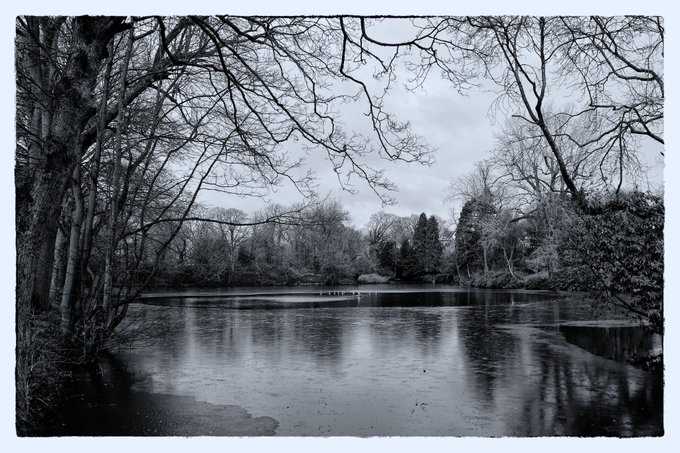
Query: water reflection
x: 460, y: 363
x: 489, y: 352
x: 588, y: 397
x: 614, y: 342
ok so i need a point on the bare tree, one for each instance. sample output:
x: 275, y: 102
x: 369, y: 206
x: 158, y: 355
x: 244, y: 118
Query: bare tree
x: 234, y: 234
x: 131, y: 118
x: 612, y: 67
x: 380, y: 227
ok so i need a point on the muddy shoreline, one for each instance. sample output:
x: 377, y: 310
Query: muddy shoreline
x: 101, y: 401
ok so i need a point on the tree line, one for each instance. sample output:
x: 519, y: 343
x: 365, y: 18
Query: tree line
x: 320, y: 247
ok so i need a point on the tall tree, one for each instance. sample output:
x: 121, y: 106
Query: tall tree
x: 407, y: 266
x: 435, y: 247
x: 471, y: 250
x: 421, y: 245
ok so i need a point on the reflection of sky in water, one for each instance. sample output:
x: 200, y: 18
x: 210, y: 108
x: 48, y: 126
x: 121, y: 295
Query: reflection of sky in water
x: 473, y: 363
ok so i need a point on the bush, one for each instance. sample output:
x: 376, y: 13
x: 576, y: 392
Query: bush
x: 616, y: 249
x: 495, y: 280
x: 40, y: 370
x: 372, y: 278
x: 333, y: 274
x: 539, y: 280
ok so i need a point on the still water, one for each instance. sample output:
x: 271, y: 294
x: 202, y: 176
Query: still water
x: 409, y: 361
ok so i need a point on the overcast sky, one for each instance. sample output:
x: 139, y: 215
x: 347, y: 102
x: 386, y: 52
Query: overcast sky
x: 459, y: 127
x: 456, y: 127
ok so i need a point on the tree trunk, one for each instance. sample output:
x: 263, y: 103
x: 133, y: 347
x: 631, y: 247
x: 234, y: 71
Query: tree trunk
x: 35, y: 244
x: 95, y: 163
x: 38, y: 208
x: 67, y: 299
x: 508, y: 261
x: 58, y: 269
x: 112, y: 234
x: 486, y: 265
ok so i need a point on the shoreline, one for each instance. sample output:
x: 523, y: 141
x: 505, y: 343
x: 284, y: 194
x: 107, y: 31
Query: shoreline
x: 101, y: 401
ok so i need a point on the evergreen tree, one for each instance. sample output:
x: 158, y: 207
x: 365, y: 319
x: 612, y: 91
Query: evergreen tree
x: 406, y: 268
x: 434, y: 246
x: 420, y: 245
x: 469, y: 256
x: 386, y: 255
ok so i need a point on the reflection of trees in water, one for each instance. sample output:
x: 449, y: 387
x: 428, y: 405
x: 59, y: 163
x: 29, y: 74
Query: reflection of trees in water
x: 536, y: 385
x: 489, y: 351
x: 319, y: 334
x: 428, y: 329
x: 614, y: 342
x: 577, y: 396
x: 415, y: 299
x: 539, y: 388
x: 397, y: 330
x: 207, y: 331
x: 265, y: 329
x: 160, y: 338
x: 471, y: 297
x: 226, y: 335
x: 176, y: 333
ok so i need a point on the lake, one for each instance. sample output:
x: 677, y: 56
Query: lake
x: 372, y: 360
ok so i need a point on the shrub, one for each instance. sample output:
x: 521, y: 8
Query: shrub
x: 616, y: 250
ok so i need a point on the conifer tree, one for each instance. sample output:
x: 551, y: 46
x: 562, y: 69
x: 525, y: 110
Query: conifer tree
x: 406, y: 269
x: 420, y: 245
x: 434, y: 246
